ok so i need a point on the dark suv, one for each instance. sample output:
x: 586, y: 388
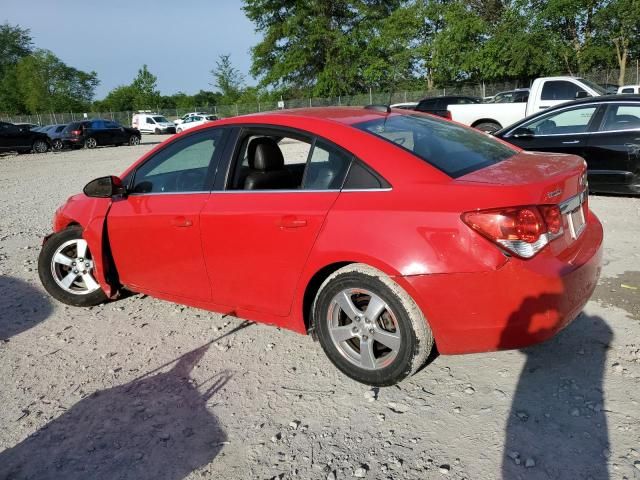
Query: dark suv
x: 439, y: 105
x: 17, y: 138
x: 91, y: 133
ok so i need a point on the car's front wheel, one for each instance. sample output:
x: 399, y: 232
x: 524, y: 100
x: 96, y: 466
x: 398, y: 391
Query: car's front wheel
x: 66, y: 268
x: 40, y: 146
x: 369, y: 327
x: 134, y: 140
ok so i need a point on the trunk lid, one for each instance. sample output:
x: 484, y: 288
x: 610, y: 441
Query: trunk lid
x: 558, y: 177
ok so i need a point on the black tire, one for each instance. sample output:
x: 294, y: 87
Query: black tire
x: 45, y: 271
x: 488, y: 127
x: 157, y: 131
x: 179, y: 130
x: 91, y: 143
x: 410, y: 327
x: 57, y: 145
x: 40, y: 146
x: 134, y: 140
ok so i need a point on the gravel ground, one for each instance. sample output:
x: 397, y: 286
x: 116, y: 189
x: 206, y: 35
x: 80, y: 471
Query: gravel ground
x: 141, y: 388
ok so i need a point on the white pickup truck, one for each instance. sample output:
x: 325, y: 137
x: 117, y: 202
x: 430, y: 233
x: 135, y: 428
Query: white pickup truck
x: 545, y: 92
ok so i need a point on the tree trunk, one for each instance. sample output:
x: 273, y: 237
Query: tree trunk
x: 622, y: 52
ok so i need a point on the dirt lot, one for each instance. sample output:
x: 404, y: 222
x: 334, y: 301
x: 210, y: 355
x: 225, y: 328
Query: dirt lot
x: 146, y: 389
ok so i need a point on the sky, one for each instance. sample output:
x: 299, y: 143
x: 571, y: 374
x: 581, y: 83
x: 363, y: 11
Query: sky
x: 179, y: 40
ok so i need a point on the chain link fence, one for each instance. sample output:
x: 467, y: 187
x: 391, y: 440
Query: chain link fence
x: 365, y: 98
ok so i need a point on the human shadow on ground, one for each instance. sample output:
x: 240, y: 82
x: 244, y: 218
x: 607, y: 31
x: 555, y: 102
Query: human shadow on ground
x: 156, y: 427
x: 21, y: 307
x: 557, y: 427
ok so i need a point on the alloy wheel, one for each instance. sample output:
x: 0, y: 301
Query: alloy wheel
x: 364, y: 329
x: 72, y: 268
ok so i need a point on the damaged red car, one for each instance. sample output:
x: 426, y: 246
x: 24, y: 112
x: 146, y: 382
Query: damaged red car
x: 383, y: 233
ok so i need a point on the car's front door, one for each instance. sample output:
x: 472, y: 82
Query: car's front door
x: 259, y: 231
x: 117, y: 132
x: 564, y: 131
x: 154, y: 231
x: 613, y: 152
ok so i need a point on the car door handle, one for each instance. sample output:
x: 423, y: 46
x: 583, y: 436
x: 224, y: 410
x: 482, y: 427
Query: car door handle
x: 181, y: 222
x: 572, y: 142
x: 291, y: 221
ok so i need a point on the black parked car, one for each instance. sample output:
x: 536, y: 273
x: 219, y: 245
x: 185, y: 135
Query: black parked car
x: 21, y: 139
x: 438, y: 105
x: 54, y: 132
x: 91, y: 133
x: 605, y: 131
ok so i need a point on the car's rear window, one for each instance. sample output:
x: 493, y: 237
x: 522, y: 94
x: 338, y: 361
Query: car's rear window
x: 454, y: 149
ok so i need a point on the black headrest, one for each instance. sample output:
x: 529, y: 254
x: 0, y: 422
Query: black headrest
x: 264, y: 154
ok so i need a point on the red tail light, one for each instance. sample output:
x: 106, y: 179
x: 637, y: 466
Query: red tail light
x: 76, y: 132
x: 523, y: 231
x: 447, y: 115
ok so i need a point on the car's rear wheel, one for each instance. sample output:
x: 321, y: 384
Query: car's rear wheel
x: 179, y: 130
x: 57, y: 144
x: 91, y: 142
x: 488, y: 127
x: 369, y: 327
x: 134, y: 140
x: 40, y: 146
x: 66, y: 268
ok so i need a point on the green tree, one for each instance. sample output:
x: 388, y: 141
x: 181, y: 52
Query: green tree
x: 45, y: 83
x: 227, y: 79
x: 145, y: 86
x: 15, y: 44
x: 120, y: 99
x: 618, y: 26
x: 306, y: 44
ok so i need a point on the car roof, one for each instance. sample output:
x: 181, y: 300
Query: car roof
x: 342, y: 115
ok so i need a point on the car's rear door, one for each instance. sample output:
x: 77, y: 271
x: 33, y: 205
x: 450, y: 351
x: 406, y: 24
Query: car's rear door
x: 154, y: 231
x: 256, y: 241
x: 117, y: 133
x: 613, y: 152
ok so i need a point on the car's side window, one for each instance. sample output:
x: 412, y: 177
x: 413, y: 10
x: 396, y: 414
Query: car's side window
x: 182, y: 166
x: 627, y: 90
x: 273, y: 161
x: 97, y: 125
x: 567, y: 122
x: 148, y: 120
x: 621, y: 117
x: 111, y: 125
x: 560, y: 90
x: 327, y: 167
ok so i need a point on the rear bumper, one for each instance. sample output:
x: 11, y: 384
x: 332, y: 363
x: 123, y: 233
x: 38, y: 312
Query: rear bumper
x: 522, y: 303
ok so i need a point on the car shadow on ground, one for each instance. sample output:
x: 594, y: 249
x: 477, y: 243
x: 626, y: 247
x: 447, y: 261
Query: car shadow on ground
x: 155, y: 427
x: 21, y: 307
x: 557, y: 426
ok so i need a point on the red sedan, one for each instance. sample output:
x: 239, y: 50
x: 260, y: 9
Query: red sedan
x: 384, y: 233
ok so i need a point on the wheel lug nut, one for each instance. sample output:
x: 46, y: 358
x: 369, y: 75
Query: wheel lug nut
x: 371, y: 331
x: 73, y: 264
x: 86, y: 265
x: 365, y: 338
x: 75, y: 271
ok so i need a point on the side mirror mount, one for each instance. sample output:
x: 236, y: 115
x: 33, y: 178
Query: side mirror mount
x: 523, y: 133
x: 582, y: 94
x: 104, y: 187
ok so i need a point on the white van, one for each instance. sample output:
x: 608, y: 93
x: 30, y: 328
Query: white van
x: 152, y: 123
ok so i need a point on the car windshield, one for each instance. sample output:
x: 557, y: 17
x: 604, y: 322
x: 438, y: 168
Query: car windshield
x: 595, y: 87
x: 160, y: 119
x: 454, y: 149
